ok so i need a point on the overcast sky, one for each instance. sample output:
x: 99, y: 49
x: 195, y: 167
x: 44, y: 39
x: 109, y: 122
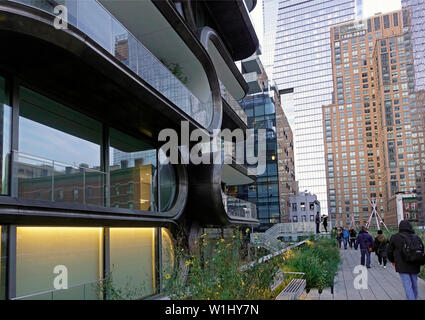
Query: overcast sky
x: 370, y: 7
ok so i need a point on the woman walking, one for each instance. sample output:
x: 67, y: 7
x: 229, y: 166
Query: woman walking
x: 381, y: 244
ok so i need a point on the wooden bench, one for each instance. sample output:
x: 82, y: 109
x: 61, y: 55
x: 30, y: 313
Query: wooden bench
x: 293, y: 290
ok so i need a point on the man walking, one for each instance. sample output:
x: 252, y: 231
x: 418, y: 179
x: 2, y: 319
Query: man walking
x: 325, y: 223
x: 406, y: 252
x: 365, y: 240
x: 318, y: 220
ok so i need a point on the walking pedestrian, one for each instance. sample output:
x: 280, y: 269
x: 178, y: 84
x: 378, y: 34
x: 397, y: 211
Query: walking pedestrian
x: 346, y: 237
x: 406, y: 252
x: 339, y: 237
x: 381, y: 245
x: 353, y: 235
x: 318, y: 220
x: 365, y: 241
x: 325, y: 223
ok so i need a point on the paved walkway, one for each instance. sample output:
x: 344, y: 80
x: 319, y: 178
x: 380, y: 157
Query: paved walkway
x: 383, y: 284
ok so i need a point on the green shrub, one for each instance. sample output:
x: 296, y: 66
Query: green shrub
x: 217, y: 275
x: 318, y: 260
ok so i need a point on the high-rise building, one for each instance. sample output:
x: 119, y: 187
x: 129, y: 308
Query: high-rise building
x: 272, y: 190
x: 297, y: 33
x: 369, y: 146
x: 416, y: 24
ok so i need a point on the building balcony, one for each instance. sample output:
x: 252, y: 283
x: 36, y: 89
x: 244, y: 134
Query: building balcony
x: 253, y: 82
x: 252, y: 64
x: 186, y: 85
x: 233, y: 103
x: 239, y: 208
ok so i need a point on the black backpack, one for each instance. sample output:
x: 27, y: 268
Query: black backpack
x: 412, y: 249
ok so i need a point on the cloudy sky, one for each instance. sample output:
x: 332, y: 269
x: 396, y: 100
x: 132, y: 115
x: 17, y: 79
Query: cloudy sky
x: 370, y: 7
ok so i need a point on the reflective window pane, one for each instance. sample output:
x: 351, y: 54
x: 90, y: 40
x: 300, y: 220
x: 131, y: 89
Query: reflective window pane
x: 59, y: 153
x: 5, y: 137
x: 133, y: 173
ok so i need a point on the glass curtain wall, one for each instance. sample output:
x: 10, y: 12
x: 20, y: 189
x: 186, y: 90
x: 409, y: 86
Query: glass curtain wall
x: 3, y: 258
x: 5, y: 137
x: 59, y: 159
x: 264, y: 193
x: 133, y: 172
x: 59, y: 153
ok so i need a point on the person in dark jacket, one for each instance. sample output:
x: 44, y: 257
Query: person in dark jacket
x: 353, y: 235
x: 381, y: 244
x: 318, y: 220
x: 408, y: 271
x: 325, y: 223
x: 365, y: 241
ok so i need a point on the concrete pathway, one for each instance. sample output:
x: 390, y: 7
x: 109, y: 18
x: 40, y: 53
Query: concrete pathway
x: 383, y: 284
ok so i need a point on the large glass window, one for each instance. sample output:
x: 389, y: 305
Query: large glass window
x: 132, y: 162
x: 40, y: 250
x: 133, y: 261
x: 5, y: 137
x: 2, y: 263
x: 167, y: 186
x: 59, y: 153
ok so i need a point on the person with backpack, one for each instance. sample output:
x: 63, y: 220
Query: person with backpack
x: 353, y: 235
x: 346, y: 236
x: 406, y: 253
x: 365, y: 241
x: 381, y: 244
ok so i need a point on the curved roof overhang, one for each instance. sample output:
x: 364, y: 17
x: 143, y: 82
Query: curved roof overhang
x: 226, y: 69
x: 250, y: 4
x: 234, y: 27
x: 205, y: 203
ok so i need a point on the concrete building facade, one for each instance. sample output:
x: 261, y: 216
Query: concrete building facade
x: 304, y: 207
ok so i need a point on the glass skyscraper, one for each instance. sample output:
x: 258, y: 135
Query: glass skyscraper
x: 301, y: 60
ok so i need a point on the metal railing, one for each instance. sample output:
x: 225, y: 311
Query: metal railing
x: 84, y: 291
x: 49, y: 180
x: 101, y: 26
x: 269, y: 238
x: 239, y: 208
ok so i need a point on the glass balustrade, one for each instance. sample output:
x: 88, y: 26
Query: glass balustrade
x: 85, y: 291
x: 100, y: 25
x: 49, y: 180
x: 233, y: 103
x: 236, y: 207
